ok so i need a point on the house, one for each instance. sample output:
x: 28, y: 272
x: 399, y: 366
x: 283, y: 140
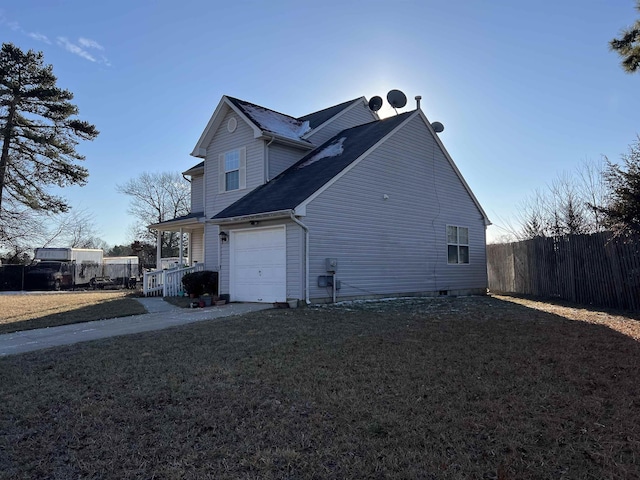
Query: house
x: 338, y: 204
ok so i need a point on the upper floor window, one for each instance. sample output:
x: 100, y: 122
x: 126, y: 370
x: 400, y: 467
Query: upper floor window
x: 232, y: 170
x: 457, y: 244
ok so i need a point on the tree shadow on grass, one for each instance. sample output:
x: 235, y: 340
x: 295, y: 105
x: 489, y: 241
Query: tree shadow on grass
x: 119, y: 307
x: 566, y: 303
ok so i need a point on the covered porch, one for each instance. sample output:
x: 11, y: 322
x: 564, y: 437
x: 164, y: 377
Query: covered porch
x: 166, y: 279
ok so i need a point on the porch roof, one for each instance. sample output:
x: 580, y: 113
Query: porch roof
x: 187, y: 222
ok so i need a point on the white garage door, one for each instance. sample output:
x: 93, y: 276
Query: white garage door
x: 258, y: 270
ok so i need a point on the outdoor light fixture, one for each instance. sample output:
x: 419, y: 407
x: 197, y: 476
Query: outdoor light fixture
x: 223, y: 236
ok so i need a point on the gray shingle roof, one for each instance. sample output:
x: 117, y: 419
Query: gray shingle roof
x: 316, y: 119
x: 301, y: 180
x: 199, y: 165
x: 269, y: 120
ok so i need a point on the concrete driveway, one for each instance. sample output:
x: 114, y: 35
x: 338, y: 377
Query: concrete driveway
x: 161, y: 315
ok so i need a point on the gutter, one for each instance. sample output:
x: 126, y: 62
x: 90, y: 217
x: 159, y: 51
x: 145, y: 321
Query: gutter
x: 267, y: 135
x: 248, y: 218
x: 306, y: 254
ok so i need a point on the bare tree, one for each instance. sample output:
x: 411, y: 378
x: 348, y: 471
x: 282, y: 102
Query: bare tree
x: 531, y: 216
x: 27, y: 229
x: 74, y: 229
x: 593, y: 189
x: 157, y: 197
x: 565, y: 206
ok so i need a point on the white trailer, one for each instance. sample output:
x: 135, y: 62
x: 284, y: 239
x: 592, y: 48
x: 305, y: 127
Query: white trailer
x: 59, y: 268
x: 77, y: 255
x: 122, y: 271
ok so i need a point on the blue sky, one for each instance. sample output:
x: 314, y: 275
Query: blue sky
x: 526, y: 90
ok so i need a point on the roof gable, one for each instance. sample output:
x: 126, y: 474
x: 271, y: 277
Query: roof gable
x: 270, y: 123
x: 261, y: 120
x: 309, y: 174
x: 316, y: 119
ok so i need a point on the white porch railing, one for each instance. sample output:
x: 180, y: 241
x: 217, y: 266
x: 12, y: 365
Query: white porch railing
x: 166, y: 283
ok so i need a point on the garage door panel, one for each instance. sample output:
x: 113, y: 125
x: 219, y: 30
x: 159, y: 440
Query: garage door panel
x: 258, y: 265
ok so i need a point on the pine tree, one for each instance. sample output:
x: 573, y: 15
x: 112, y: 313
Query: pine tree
x: 38, y: 134
x: 628, y: 46
x: 622, y: 214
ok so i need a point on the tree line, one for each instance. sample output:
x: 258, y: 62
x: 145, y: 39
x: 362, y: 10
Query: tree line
x: 595, y: 197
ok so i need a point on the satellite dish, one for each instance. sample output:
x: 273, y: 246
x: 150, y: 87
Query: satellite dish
x: 396, y: 99
x: 375, y: 103
x: 437, y: 127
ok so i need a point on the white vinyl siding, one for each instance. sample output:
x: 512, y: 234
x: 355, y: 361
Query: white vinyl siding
x: 385, y: 220
x: 282, y: 157
x: 224, y: 141
x: 196, y: 248
x: 357, y: 115
x: 211, y: 241
x: 197, y: 193
x: 295, y: 261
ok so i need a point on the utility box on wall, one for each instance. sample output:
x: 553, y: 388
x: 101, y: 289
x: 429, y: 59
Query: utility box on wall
x: 327, y: 281
x: 331, y: 265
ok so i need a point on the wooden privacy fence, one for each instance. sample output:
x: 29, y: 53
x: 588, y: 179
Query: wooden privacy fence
x: 595, y: 269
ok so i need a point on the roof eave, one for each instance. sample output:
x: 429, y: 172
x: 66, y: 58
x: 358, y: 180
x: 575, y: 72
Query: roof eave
x: 267, y: 135
x: 275, y: 215
x: 193, y: 171
x: 184, y: 222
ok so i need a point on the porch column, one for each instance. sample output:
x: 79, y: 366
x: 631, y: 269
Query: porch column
x: 159, y: 250
x: 181, y: 248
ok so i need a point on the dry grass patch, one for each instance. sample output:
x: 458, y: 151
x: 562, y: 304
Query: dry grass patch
x: 29, y: 311
x: 476, y: 388
x: 624, y: 322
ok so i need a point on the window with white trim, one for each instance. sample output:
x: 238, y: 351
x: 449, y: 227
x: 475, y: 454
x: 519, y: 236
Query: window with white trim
x: 457, y: 244
x: 232, y: 170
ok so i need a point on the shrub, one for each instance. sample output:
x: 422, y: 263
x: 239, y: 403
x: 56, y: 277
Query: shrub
x: 197, y: 283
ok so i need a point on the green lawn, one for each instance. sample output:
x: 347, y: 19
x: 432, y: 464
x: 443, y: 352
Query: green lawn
x: 479, y: 388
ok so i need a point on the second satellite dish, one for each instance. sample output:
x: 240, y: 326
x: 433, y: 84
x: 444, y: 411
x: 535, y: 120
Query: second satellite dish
x: 375, y: 104
x: 437, y: 127
x: 396, y: 99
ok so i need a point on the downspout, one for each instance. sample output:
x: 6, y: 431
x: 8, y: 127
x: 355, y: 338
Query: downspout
x: 158, y: 250
x: 306, y: 255
x: 181, y: 247
x: 218, y: 241
x: 266, y: 159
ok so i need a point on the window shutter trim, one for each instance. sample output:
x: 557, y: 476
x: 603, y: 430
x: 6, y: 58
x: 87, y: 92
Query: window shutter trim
x: 242, y: 173
x: 221, y: 175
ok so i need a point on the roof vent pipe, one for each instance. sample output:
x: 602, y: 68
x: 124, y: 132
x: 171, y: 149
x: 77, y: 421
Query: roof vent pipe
x: 418, y: 98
